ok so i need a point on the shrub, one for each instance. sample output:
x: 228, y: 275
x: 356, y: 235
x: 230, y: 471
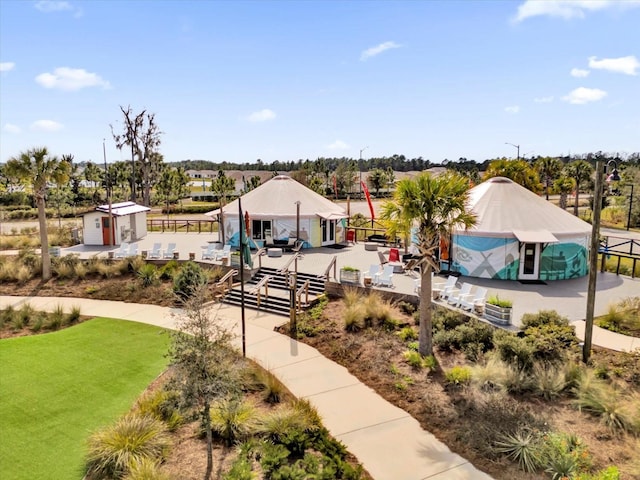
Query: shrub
x: 458, y: 375
x: 145, y: 469
x: 491, y: 375
x: 408, y: 333
x: 273, y: 390
x: 513, y: 350
x: 169, y: 270
x: 600, y: 399
x: 188, y: 280
x: 406, y: 307
x: 56, y: 318
x: 74, y: 315
x: 543, y: 317
x: 240, y: 470
x: 233, y: 420
x: 414, y: 359
x: 148, y: 274
x: 289, y: 427
x: 161, y: 405
x: 7, y: 315
x: 115, y: 449
x: 523, y: 446
x: 609, y: 473
x: 563, y: 455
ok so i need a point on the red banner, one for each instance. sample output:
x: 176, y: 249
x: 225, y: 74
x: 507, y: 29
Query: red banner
x: 366, y: 194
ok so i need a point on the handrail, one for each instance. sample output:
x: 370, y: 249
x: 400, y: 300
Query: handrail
x: 331, y: 264
x: 261, y: 251
x: 289, y: 262
x: 303, y: 289
x: 220, y: 286
x: 264, y: 281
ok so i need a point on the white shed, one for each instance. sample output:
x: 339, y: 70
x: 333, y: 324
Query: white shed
x: 129, y: 224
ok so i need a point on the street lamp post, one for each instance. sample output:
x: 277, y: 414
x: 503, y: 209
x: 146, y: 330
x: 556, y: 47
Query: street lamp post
x: 107, y: 183
x: 630, y: 207
x: 514, y: 145
x: 360, y: 168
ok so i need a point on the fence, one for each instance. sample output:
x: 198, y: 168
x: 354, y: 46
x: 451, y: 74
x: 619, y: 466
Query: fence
x: 183, y: 226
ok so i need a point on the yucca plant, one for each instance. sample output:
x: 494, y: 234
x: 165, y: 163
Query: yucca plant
x: 114, y: 450
x: 523, y: 447
x: 148, y: 274
x: 234, y: 420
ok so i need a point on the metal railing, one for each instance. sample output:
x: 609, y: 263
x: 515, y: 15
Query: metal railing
x: 304, y: 289
x: 225, y: 283
x: 264, y: 281
x: 616, y: 248
x: 333, y: 264
x: 177, y: 225
x: 284, y: 268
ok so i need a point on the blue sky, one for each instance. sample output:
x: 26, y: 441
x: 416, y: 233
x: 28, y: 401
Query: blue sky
x: 241, y: 80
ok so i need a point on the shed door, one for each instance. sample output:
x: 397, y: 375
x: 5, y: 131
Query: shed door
x: 328, y: 228
x: 105, y: 232
x: 529, y: 261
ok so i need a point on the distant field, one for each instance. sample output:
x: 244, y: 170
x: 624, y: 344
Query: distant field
x: 58, y: 387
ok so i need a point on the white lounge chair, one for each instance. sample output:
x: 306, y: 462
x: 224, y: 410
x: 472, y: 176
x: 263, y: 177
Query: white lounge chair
x: 469, y: 301
x: 385, y: 278
x: 123, y: 251
x: 133, y: 250
x: 445, y: 287
x: 168, y: 253
x: 225, y: 252
x: 210, y: 252
x: 374, y: 269
x: 455, y: 295
x: 155, y: 251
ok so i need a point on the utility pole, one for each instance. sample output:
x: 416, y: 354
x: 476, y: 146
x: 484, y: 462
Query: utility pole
x: 593, y: 261
x: 514, y: 145
x: 107, y: 183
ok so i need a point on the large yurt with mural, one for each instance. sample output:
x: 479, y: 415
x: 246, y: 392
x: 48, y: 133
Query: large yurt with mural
x: 282, y: 209
x: 518, y: 236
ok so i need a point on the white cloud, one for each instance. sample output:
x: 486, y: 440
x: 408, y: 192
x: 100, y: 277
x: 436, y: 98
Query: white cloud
x: 584, y: 95
x: 70, y: 79
x: 53, y: 6
x: 627, y: 65
x: 579, y: 73
x: 263, y: 115
x: 568, y: 9
x: 338, y: 145
x: 46, y: 126
x: 513, y: 109
x: 377, y: 50
x: 10, y: 128
x: 543, y: 99
x: 6, y: 66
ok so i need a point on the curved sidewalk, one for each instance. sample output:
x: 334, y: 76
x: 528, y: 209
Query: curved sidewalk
x: 388, y: 442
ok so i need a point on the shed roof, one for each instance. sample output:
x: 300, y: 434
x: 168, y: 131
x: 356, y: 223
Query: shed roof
x: 123, y: 208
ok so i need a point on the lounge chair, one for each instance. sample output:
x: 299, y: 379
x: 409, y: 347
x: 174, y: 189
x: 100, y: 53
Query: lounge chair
x: 155, y: 252
x: 374, y: 269
x: 168, y: 253
x: 469, y: 301
x: 133, y: 250
x: 410, y: 266
x: 447, y: 287
x: 455, y: 295
x: 123, y: 251
x: 225, y: 252
x: 210, y: 252
x: 382, y: 258
x: 385, y: 278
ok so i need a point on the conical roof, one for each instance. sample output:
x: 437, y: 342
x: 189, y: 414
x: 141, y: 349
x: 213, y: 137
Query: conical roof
x: 278, y: 197
x: 503, y: 207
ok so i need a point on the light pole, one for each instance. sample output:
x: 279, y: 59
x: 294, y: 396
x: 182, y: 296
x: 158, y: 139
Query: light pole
x: 360, y: 168
x: 630, y: 207
x: 107, y: 183
x: 514, y: 145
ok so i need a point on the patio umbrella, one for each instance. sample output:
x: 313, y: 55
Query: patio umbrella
x: 247, y: 224
x: 245, y: 248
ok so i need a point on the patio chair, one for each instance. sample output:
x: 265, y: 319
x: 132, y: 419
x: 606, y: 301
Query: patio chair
x: 455, y: 296
x: 447, y: 287
x: 410, y: 266
x: 210, y: 252
x: 133, y: 250
x: 382, y: 258
x: 122, y: 251
x: 155, y: 251
x: 394, y: 255
x: 469, y: 301
x: 374, y: 269
x: 417, y: 285
x: 168, y: 253
x: 225, y: 252
x: 385, y: 278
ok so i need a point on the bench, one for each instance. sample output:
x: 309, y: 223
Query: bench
x: 383, y: 240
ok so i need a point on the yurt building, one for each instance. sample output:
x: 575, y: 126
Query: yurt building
x: 280, y: 209
x: 518, y: 236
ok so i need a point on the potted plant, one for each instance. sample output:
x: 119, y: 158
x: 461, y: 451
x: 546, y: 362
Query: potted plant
x: 498, y: 310
x: 350, y: 275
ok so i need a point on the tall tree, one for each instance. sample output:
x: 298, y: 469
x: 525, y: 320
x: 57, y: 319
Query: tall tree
x: 206, y: 367
x: 171, y: 185
x: 580, y: 171
x: 36, y: 168
x: 377, y: 179
x: 564, y: 186
x: 433, y: 206
x: 549, y: 169
x: 142, y: 135
x: 93, y: 174
x: 517, y: 170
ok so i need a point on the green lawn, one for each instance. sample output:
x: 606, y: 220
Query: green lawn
x: 56, y: 388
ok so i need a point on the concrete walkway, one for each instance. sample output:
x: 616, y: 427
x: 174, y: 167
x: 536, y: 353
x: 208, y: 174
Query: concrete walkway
x: 388, y: 442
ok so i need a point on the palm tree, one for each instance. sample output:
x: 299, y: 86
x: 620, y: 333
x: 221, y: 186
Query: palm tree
x: 37, y: 168
x: 564, y: 185
x: 549, y: 169
x: 435, y: 205
x: 517, y: 170
x: 580, y: 171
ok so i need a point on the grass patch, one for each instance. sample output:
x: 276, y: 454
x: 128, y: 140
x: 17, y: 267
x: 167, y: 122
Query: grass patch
x: 58, y: 387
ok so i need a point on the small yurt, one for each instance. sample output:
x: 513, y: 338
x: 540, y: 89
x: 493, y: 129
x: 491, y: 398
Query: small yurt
x: 129, y: 224
x: 518, y: 236
x: 281, y: 209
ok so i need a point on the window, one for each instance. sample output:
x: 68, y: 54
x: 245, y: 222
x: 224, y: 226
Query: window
x: 259, y: 228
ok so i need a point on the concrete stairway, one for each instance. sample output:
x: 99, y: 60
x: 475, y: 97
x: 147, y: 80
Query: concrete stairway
x: 278, y: 299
